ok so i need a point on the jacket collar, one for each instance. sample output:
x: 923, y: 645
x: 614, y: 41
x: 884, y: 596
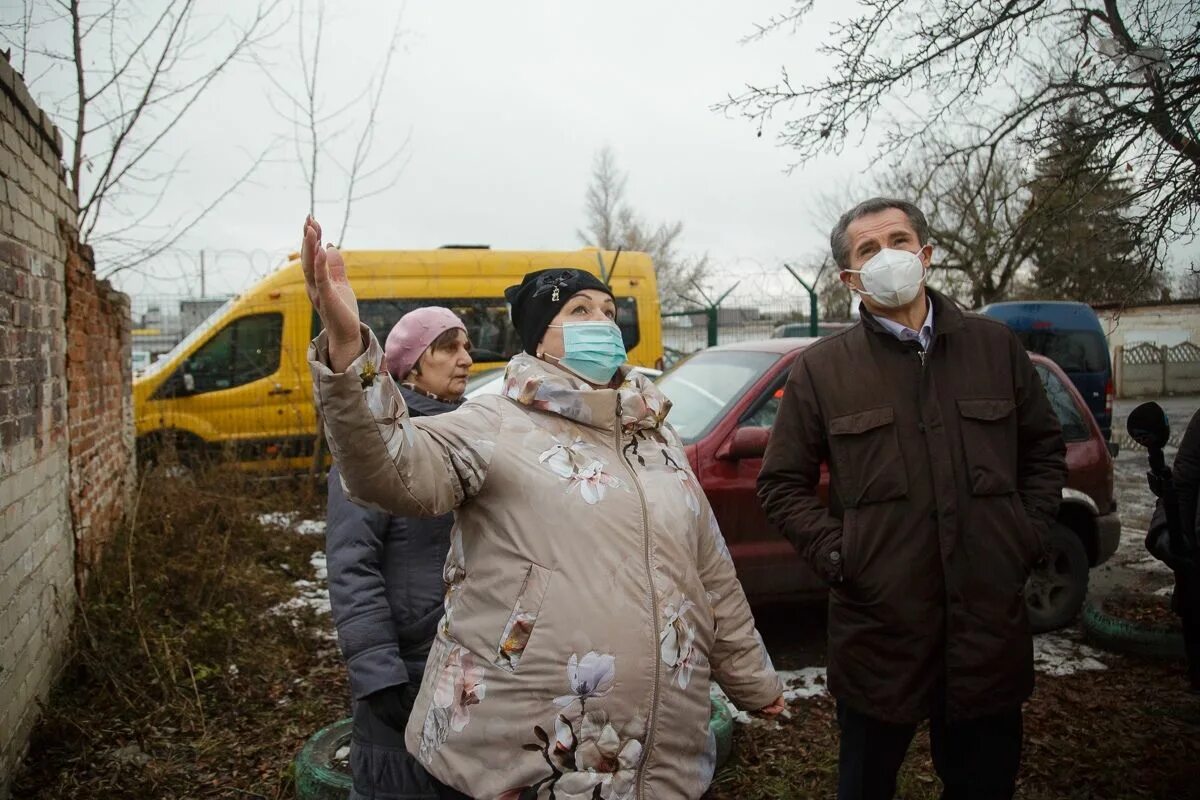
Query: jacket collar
x: 637, y: 404
x: 421, y: 404
x: 947, y: 316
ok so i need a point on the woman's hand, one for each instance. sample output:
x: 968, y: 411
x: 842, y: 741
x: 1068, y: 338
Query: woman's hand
x: 331, y: 295
x: 775, y: 709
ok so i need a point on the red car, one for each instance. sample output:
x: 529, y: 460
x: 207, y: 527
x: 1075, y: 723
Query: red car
x: 724, y: 402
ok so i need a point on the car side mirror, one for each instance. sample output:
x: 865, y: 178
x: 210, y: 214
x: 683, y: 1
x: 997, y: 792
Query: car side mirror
x: 748, y: 442
x: 1148, y: 426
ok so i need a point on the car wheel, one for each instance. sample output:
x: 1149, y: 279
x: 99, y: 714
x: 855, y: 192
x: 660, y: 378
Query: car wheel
x: 1057, y: 586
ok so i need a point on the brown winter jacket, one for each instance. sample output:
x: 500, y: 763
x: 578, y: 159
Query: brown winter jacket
x: 945, y: 469
x: 590, y: 595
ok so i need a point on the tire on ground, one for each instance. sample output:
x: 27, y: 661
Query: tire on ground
x: 1124, y: 636
x: 1057, y: 587
x: 316, y: 777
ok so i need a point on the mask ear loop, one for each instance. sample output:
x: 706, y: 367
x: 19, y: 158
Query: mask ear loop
x: 853, y: 289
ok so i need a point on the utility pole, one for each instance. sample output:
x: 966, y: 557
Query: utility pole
x: 202, y: 273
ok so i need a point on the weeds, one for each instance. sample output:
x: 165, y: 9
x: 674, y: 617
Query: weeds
x: 180, y: 680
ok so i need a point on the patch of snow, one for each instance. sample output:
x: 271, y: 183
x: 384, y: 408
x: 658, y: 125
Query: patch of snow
x: 313, y: 594
x: 290, y: 521
x: 276, y: 519
x: 798, y: 684
x: 1061, y: 653
x: 802, y: 684
x: 1149, y: 563
x: 310, y: 527
x: 1166, y: 591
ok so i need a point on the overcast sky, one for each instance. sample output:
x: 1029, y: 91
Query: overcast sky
x: 505, y: 105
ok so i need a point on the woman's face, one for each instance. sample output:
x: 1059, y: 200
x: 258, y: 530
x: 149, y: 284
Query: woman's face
x: 589, y: 305
x: 444, y: 367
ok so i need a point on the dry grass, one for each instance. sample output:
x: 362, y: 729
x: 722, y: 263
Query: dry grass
x: 180, y: 681
x: 182, y: 684
x: 1128, y: 732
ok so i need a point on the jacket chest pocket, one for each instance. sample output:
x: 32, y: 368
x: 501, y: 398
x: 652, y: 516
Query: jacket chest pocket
x: 519, y: 628
x: 867, y: 458
x: 989, y: 440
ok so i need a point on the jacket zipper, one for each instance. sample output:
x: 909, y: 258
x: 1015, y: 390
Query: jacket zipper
x: 653, y: 610
x: 921, y: 354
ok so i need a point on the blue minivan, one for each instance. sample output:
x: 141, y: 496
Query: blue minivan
x: 1070, y: 335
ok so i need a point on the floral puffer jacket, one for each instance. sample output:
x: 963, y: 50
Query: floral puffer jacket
x: 590, y: 595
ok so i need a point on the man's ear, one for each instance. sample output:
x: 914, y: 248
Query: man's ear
x: 847, y: 278
x: 926, y: 255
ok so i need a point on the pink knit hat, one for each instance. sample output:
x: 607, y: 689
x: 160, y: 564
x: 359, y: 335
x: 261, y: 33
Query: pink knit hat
x: 412, y: 335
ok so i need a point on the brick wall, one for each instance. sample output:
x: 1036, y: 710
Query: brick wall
x: 99, y: 405
x: 64, y: 368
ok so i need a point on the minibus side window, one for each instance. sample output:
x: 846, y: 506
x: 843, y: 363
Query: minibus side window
x: 492, y: 335
x: 627, y: 321
x: 243, y: 351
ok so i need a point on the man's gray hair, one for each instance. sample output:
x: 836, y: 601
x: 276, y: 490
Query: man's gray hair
x: 840, y: 244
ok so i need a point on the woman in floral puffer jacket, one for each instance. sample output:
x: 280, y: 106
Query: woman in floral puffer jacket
x: 590, y: 595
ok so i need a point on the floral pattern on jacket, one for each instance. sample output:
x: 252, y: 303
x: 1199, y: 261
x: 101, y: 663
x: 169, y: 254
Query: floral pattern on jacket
x: 590, y: 597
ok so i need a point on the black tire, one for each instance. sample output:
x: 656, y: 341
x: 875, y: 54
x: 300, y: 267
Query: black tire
x: 1123, y: 636
x: 1058, y: 584
x: 317, y: 777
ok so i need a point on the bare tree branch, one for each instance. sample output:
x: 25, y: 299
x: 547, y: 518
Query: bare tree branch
x: 996, y: 74
x: 363, y: 148
x: 150, y: 251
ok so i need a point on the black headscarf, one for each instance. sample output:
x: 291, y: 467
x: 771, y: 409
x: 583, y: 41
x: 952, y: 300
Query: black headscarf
x: 540, y: 295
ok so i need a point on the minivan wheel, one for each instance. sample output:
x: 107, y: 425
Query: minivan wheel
x: 1058, y: 584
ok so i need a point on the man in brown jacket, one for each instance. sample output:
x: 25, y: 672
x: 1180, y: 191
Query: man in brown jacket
x: 946, y: 465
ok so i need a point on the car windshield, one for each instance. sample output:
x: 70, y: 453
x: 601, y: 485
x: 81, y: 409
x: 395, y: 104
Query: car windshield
x: 485, y: 378
x: 703, y: 387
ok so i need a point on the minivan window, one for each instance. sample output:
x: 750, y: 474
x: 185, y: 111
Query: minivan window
x: 493, y: 337
x: 244, y: 351
x: 199, y: 332
x: 1074, y: 426
x: 1074, y: 351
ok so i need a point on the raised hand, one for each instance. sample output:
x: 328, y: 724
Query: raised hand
x: 331, y: 295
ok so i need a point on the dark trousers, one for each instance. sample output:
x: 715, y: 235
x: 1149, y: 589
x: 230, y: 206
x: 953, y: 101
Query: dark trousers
x: 1186, y: 602
x: 976, y: 759
x: 381, y: 767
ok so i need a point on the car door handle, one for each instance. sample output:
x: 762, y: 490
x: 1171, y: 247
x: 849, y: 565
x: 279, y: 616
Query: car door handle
x: 280, y: 390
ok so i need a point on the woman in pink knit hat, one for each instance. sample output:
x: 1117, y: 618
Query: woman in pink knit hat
x: 385, y: 572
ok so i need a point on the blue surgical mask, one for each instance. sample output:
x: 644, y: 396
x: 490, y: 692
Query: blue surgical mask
x: 592, y: 350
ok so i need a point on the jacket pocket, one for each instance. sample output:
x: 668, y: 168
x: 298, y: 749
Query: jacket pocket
x: 523, y: 618
x: 867, y: 458
x: 989, y: 439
